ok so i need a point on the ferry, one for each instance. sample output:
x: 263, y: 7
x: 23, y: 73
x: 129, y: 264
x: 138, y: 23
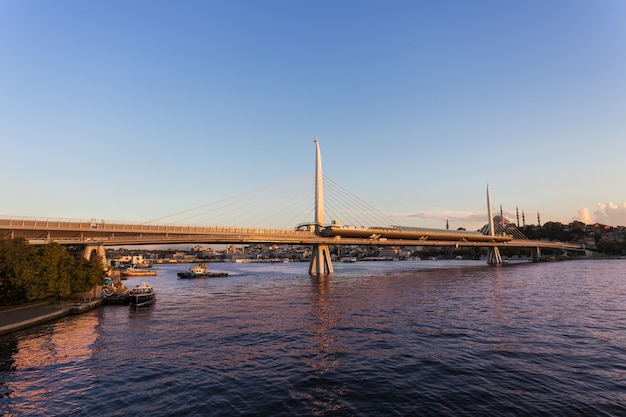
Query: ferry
x: 142, y: 295
x: 201, y: 271
x: 134, y: 272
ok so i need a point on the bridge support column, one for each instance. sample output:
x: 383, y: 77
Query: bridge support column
x: 494, y: 256
x: 321, y: 263
x: 99, y: 251
x: 536, y: 254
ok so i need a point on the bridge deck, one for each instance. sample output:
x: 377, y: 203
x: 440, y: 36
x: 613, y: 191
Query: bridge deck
x: 68, y: 232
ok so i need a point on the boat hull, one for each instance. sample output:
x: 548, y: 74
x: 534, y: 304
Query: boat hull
x: 140, y: 273
x: 189, y: 275
x: 141, y: 295
x: 116, y: 300
x: 141, y: 300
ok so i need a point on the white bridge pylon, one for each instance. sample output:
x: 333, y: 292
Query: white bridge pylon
x: 494, y: 257
x: 321, y: 263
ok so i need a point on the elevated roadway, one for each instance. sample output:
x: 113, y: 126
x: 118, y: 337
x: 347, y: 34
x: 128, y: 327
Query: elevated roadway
x: 103, y: 233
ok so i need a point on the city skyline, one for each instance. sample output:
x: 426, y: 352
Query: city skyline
x: 133, y: 111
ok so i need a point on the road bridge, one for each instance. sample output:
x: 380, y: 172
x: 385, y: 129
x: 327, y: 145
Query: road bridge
x: 84, y: 232
x: 95, y: 235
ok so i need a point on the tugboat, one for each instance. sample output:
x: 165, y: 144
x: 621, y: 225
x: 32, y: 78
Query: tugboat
x: 141, y: 295
x: 201, y: 271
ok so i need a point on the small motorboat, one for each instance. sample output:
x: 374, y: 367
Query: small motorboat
x: 201, y: 271
x: 114, y: 292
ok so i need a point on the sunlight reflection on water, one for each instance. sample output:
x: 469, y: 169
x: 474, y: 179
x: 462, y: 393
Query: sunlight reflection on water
x: 445, y: 338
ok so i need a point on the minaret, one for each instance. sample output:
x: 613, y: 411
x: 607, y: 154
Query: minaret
x: 321, y: 263
x: 538, y: 220
x: 517, y: 215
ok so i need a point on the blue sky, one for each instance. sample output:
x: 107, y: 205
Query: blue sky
x: 130, y: 110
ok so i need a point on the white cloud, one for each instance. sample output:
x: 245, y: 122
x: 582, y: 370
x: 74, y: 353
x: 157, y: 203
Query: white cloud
x: 610, y: 214
x: 584, y: 215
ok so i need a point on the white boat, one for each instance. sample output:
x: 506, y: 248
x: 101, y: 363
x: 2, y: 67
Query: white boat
x: 134, y: 272
x: 141, y: 295
x: 349, y: 260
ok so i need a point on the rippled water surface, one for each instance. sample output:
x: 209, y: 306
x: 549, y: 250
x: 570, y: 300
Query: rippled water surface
x: 423, y: 338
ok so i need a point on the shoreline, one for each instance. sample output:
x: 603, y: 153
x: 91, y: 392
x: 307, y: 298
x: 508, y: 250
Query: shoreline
x: 24, y: 316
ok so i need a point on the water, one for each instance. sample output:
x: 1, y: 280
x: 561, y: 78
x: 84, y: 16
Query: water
x: 426, y: 338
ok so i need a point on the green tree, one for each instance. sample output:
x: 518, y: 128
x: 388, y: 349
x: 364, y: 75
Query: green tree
x: 612, y: 248
x: 30, y: 273
x: 16, y: 270
x: 86, y: 274
x: 53, y: 272
x: 555, y: 231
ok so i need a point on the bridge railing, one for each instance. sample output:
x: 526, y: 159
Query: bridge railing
x: 117, y: 226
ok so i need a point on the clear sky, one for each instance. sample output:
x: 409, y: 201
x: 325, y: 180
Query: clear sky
x: 129, y: 110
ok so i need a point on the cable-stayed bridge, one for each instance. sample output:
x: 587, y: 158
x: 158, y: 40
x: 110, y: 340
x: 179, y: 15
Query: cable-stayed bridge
x: 284, y: 213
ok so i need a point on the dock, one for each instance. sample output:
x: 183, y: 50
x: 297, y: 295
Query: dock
x: 24, y: 316
x: 80, y: 308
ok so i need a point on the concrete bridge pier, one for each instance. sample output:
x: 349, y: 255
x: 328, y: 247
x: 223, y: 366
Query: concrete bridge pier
x: 494, y: 257
x: 99, y: 250
x: 536, y: 254
x: 321, y: 263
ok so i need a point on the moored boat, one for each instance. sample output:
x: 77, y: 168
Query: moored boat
x: 201, y: 271
x: 142, y: 295
x: 133, y: 272
x: 114, y: 292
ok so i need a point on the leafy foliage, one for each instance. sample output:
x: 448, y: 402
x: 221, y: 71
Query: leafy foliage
x: 29, y: 273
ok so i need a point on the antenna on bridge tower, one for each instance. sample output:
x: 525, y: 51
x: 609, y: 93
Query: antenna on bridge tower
x: 321, y: 263
x: 494, y: 252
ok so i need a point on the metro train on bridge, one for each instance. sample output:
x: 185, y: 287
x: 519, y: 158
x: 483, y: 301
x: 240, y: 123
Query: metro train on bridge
x: 413, y: 233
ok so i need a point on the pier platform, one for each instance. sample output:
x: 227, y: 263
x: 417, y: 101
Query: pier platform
x: 14, y: 318
x: 80, y: 308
